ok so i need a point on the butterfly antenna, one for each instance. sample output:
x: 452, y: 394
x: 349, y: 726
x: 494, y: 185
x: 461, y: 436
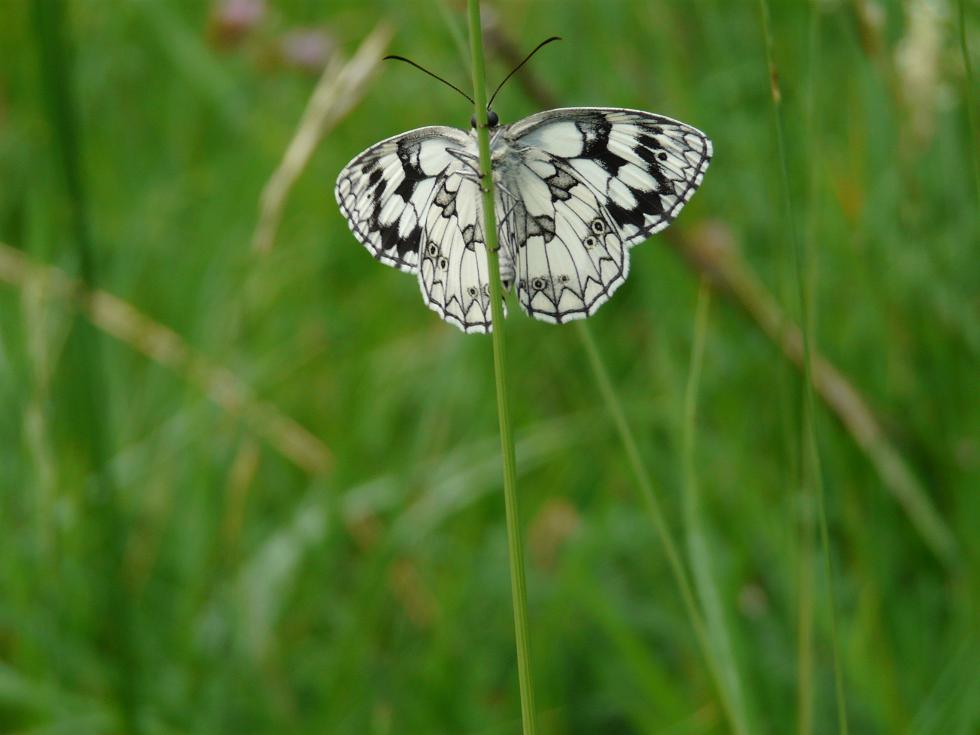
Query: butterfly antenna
x: 526, y: 59
x: 435, y: 76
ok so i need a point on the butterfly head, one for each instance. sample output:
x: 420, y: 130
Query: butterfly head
x: 492, y: 120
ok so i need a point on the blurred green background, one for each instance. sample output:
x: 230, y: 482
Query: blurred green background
x: 285, y: 515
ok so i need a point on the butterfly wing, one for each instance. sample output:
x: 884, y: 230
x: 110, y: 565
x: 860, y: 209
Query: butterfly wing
x: 414, y: 202
x: 453, y: 272
x: 384, y: 193
x: 579, y: 187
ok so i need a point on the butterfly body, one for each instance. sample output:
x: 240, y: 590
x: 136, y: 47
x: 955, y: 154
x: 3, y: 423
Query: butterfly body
x: 575, y: 189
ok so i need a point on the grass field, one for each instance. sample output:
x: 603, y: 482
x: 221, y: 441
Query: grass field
x: 259, y: 491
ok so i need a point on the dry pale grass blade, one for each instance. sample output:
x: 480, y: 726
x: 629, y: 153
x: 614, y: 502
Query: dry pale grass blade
x: 711, y: 249
x: 165, y: 347
x: 240, y: 479
x: 339, y: 90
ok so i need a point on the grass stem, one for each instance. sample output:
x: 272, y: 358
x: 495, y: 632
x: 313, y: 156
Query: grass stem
x: 514, y: 542
x: 968, y: 96
x: 645, y: 484
x: 811, y: 478
x: 698, y: 546
x: 85, y: 380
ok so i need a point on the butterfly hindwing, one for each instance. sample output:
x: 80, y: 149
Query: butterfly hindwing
x: 567, y: 254
x: 385, y: 192
x: 596, y: 181
x: 453, y: 270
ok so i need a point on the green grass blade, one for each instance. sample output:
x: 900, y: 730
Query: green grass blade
x: 192, y: 61
x: 952, y: 705
x: 649, y: 497
x: 697, y: 541
x: 514, y: 542
x: 968, y: 98
x: 811, y: 479
x: 100, y: 503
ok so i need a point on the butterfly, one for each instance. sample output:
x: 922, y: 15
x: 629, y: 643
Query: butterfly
x: 575, y: 189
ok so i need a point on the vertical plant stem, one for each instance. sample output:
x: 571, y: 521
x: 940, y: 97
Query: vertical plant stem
x: 804, y: 631
x: 514, y: 542
x: 968, y: 97
x: 649, y: 497
x: 811, y: 474
x: 698, y: 548
x: 808, y: 462
x: 101, y: 508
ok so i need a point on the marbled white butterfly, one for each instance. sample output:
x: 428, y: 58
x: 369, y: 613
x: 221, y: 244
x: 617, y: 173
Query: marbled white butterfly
x: 575, y: 189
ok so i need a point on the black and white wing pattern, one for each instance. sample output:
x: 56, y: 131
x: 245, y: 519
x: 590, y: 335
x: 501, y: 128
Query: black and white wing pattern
x: 414, y: 202
x: 577, y: 188
x: 453, y: 273
x: 385, y: 191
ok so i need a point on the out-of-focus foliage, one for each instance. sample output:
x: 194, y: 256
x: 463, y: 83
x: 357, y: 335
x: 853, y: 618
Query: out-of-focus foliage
x: 183, y: 574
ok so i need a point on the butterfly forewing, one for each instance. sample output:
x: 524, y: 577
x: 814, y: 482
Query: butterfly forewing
x: 643, y: 167
x: 385, y: 192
